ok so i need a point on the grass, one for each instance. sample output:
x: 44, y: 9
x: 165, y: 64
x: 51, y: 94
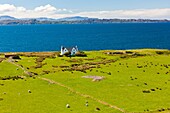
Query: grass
x: 9, y: 70
x: 126, y: 78
x: 44, y: 98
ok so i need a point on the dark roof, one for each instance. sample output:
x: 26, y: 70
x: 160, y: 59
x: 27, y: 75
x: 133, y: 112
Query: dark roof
x: 69, y: 48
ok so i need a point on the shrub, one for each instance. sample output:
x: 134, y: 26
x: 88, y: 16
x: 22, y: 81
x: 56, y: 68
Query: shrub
x: 81, y: 54
x: 67, y: 54
x: 162, y: 52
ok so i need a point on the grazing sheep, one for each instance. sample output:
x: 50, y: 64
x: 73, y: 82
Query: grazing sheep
x: 87, y: 104
x: 29, y: 91
x: 67, y: 106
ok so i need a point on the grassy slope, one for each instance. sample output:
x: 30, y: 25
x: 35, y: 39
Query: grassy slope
x: 8, y: 69
x: 122, y: 88
x: 119, y: 89
x: 44, y: 98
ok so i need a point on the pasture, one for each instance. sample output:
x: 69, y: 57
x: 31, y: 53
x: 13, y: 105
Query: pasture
x: 131, y: 81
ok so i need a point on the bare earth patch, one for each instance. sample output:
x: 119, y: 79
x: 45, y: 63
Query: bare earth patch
x: 95, y: 78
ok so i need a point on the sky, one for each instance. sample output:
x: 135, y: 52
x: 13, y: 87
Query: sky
x: 150, y: 9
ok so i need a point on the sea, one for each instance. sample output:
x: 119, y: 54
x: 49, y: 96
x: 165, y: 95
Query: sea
x: 118, y: 36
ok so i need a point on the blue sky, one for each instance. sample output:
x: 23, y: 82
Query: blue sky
x: 92, y: 4
x: 92, y: 8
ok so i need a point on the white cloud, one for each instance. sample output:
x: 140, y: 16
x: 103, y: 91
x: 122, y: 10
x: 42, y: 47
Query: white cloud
x: 139, y: 13
x: 7, y: 8
x: 20, y: 9
x: 47, y: 8
x: 41, y: 11
x: 53, y: 12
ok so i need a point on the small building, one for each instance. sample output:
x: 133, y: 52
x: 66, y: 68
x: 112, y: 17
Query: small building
x: 72, y: 50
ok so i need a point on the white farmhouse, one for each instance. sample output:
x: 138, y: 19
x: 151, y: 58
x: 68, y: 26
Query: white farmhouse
x: 72, y: 50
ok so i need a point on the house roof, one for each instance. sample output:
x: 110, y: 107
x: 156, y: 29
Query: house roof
x: 69, y: 48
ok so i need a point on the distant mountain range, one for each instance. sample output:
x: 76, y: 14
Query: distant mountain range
x: 5, y: 20
x: 76, y: 18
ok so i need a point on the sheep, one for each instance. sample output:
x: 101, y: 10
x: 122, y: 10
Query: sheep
x: 87, y: 104
x: 67, y: 106
x: 29, y: 91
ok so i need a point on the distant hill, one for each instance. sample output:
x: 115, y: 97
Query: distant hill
x: 7, y: 20
x: 45, y: 19
x: 75, y: 18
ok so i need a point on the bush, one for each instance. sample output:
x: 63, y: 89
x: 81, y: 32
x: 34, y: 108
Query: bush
x: 162, y: 52
x: 67, y: 54
x: 80, y: 54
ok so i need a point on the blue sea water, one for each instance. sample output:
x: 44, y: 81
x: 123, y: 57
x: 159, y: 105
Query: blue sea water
x: 25, y: 38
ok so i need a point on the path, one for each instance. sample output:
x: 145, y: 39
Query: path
x: 84, y: 95
x: 19, y: 66
x: 70, y: 89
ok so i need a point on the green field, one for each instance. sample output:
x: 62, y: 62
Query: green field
x: 130, y: 81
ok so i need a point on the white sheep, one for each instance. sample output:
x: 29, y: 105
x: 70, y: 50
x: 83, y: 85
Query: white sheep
x: 67, y: 106
x: 29, y: 91
x: 87, y: 104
